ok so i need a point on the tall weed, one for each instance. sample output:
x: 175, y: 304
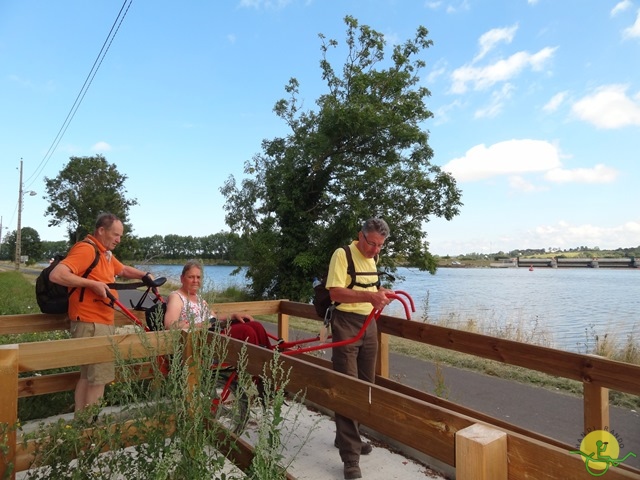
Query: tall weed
x: 165, y: 427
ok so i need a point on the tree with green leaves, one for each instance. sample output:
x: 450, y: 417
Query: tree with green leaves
x: 85, y: 188
x: 30, y: 244
x: 52, y: 248
x: 362, y: 153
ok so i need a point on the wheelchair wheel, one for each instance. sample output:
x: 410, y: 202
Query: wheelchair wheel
x: 230, y: 403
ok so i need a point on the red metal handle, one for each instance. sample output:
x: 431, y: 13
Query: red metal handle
x: 409, y: 297
x: 395, y: 296
x: 126, y: 311
x: 375, y: 313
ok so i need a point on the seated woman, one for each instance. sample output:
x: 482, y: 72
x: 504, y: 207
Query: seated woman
x: 185, y: 308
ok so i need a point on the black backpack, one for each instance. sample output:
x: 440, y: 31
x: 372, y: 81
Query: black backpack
x: 52, y: 297
x: 322, y: 299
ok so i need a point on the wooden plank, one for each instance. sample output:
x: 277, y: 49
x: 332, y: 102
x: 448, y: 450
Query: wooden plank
x: 618, y: 376
x: 481, y: 453
x: 63, y: 382
x: 427, y: 428
x: 533, y: 460
x: 449, y: 405
x: 45, y: 384
x: 32, y: 322
x: 297, y: 309
x: 8, y: 409
x: 269, y: 307
x: 42, y: 322
x: 36, y: 356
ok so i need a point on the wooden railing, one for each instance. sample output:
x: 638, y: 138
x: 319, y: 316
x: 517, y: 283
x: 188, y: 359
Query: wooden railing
x: 477, y: 446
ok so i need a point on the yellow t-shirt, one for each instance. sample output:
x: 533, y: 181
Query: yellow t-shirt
x: 338, y: 276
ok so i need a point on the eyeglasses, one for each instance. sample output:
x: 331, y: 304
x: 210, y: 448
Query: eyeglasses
x: 373, y: 244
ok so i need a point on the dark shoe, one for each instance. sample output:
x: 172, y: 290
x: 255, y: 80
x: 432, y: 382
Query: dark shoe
x: 352, y: 470
x: 365, y: 449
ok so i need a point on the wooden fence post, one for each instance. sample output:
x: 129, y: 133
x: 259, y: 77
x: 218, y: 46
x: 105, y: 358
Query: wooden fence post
x: 382, y: 365
x: 283, y: 326
x: 481, y: 453
x: 596, y: 407
x: 8, y: 409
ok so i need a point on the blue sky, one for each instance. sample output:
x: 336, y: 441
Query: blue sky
x: 536, y: 107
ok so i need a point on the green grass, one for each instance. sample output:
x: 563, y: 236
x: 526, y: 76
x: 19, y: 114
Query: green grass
x: 17, y: 294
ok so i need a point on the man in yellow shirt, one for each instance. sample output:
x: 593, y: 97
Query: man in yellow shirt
x: 357, y: 359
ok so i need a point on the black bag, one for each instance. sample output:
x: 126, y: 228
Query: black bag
x: 322, y: 299
x: 52, y: 297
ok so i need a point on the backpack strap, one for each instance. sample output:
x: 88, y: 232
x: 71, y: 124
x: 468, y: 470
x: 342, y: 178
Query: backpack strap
x: 351, y: 271
x: 88, y: 270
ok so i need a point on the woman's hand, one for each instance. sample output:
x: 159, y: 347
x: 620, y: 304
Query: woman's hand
x: 241, y: 317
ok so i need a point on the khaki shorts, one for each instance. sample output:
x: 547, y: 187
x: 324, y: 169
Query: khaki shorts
x: 98, y: 373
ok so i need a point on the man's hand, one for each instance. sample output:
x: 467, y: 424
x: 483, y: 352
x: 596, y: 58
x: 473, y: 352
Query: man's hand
x: 147, y: 279
x: 379, y: 299
x: 99, y: 288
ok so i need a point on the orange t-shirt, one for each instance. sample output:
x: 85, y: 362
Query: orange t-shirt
x: 92, y: 308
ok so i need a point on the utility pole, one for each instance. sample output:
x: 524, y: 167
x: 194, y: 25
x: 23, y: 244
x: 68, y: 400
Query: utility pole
x: 19, y: 231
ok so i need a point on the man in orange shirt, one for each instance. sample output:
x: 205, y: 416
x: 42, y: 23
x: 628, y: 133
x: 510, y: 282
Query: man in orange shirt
x: 89, y: 309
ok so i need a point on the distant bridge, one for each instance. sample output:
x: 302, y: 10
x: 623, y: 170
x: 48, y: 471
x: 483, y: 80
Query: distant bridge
x: 555, y: 262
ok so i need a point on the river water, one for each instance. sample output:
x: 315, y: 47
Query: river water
x: 565, y: 308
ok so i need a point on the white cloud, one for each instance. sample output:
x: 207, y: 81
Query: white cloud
x: 565, y: 235
x: 634, y: 30
x: 437, y: 71
x: 497, y: 102
x: 514, y: 158
x: 101, y: 147
x: 621, y: 7
x: 560, y: 234
x: 608, y: 107
x: 555, y: 102
x: 441, y: 115
x: 490, y: 39
x: 519, y: 184
x: 461, y: 7
x: 598, y: 174
x: 504, y: 158
x: 501, y: 71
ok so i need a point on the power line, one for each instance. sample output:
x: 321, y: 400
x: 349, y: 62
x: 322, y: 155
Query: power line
x: 83, y: 91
